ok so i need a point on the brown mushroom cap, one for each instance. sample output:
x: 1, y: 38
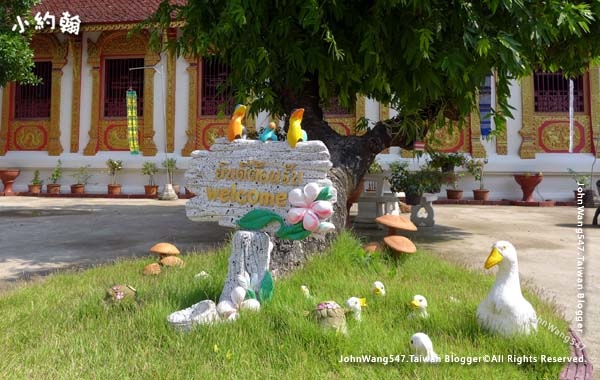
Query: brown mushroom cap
x: 400, y: 244
x: 171, y: 261
x: 396, y: 221
x: 164, y: 249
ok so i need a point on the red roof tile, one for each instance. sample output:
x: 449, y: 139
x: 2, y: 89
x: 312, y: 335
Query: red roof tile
x: 101, y: 11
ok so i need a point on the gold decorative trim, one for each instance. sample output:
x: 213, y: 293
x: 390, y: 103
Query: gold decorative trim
x: 171, y: 93
x: 75, y: 46
x: 93, y: 60
x: 4, y: 126
x: 475, y: 146
x: 594, y: 76
x: 190, y: 132
x: 528, y: 146
x: 119, y: 43
x: 384, y: 112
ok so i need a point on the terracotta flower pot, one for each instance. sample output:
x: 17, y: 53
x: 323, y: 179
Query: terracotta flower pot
x: 78, y: 188
x: 34, y: 189
x: 151, y: 190
x: 8, y: 177
x: 528, y: 183
x: 454, y: 194
x: 114, y: 189
x: 481, y: 194
x: 53, y: 188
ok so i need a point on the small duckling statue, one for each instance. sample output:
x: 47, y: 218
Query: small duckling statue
x: 419, y: 307
x: 269, y: 133
x: 378, y: 289
x: 423, y: 348
x: 355, y: 305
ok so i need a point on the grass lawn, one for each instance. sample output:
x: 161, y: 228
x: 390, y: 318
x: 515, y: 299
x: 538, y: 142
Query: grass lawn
x: 60, y: 328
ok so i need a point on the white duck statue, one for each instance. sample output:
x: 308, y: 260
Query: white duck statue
x: 419, y: 307
x: 423, y: 348
x: 505, y: 311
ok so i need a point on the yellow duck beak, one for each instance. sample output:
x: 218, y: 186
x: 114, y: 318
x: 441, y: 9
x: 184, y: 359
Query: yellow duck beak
x: 415, y: 304
x: 298, y: 114
x: 494, y: 258
x: 240, y: 110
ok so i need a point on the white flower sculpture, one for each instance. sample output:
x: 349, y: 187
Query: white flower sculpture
x: 311, y: 205
x: 309, y: 210
x: 229, y: 310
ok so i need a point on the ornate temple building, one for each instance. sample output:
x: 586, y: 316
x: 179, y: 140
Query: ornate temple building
x: 79, y: 115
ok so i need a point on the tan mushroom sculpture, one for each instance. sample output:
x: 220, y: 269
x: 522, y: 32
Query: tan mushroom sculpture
x: 168, y: 254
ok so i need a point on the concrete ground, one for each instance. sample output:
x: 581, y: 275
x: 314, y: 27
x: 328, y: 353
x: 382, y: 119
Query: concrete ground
x: 40, y: 235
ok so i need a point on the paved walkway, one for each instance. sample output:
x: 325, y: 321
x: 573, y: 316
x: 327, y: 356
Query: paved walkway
x: 43, y: 234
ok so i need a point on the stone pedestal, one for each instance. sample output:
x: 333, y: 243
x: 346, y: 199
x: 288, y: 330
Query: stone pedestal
x: 250, y: 253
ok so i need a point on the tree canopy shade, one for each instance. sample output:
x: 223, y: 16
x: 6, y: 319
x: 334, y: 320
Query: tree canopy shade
x: 426, y: 58
x: 16, y: 58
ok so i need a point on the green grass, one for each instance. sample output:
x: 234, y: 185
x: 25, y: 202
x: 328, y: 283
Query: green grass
x: 60, y: 328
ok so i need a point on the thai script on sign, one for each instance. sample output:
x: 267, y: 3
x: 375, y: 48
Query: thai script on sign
x: 67, y: 23
x: 254, y: 171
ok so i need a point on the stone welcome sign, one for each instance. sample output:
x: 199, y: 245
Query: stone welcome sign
x: 236, y: 177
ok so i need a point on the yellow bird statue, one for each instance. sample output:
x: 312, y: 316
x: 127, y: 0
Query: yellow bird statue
x: 235, y: 129
x: 295, y: 131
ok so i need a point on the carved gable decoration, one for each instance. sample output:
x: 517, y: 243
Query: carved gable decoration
x: 236, y: 177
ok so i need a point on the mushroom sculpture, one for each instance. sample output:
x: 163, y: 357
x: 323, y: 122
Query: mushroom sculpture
x: 167, y: 254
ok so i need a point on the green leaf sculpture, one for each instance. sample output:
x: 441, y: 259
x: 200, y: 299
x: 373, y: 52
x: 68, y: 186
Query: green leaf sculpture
x: 265, y: 293
x: 293, y: 232
x: 250, y: 294
x: 325, y: 194
x: 257, y: 219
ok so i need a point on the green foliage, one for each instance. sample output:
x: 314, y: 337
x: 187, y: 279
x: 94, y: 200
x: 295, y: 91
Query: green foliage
x: 16, y: 58
x: 113, y: 167
x: 425, y: 58
x: 61, y: 327
x: 82, y: 175
x: 56, y: 172
x: 475, y: 167
x: 170, y: 164
x: 582, y: 179
x: 425, y: 180
x: 36, y: 178
x: 445, y: 161
x: 149, y: 169
x: 375, y: 168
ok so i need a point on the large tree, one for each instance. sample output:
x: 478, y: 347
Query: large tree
x: 426, y: 58
x: 16, y: 58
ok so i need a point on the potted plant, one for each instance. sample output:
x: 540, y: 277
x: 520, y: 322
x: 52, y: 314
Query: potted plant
x: 150, y: 169
x: 452, y: 190
x: 82, y: 176
x: 35, y: 187
x: 582, y: 181
x: 54, y: 187
x: 475, y: 167
x: 528, y: 182
x: 170, y: 164
x: 113, y: 167
x: 373, y: 181
x: 446, y: 162
x: 415, y: 183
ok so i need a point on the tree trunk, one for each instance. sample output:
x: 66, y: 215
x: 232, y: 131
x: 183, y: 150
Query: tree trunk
x: 351, y: 157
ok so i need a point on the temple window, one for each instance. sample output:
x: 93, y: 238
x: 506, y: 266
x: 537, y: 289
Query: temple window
x: 33, y: 101
x: 117, y: 80
x: 213, y: 93
x: 551, y: 92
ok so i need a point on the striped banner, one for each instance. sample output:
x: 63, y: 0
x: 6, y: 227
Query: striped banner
x: 132, y: 122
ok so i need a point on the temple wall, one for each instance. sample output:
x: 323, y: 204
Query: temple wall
x: 504, y: 154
